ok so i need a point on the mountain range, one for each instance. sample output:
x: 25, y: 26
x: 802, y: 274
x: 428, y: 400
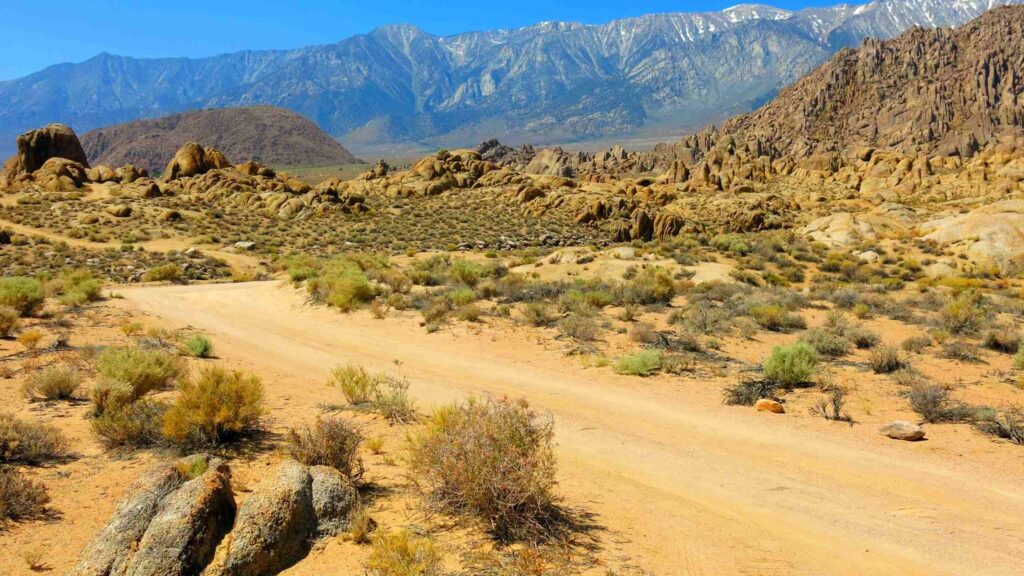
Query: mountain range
x: 553, y: 81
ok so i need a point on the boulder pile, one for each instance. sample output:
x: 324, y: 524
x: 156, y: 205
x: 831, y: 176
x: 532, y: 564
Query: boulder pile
x: 181, y: 519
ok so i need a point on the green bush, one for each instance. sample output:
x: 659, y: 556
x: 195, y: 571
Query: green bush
x: 169, y: 272
x: 494, y: 460
x: 357, y: 384
x: 76, y: 287
x: 775, y: 318
x: 198, y: 346
x: 217, y: 407
x: 131, y: 373
x: 23, y: 294
x: 791, y: 365
x: 642, y: 363
x: 461, y: 295
x: 341, y: 283
x: 651, y: 285
x: 136, y: 424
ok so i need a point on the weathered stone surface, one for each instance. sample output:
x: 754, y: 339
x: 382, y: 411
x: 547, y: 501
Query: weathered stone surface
x: 190, y: 522
x: 903, y: 430
x: 333, y: 499
x: 274, y: 527
x: 35, y: 147
x: 769, y: 405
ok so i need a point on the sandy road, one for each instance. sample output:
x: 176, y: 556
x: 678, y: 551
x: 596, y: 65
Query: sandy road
x: 684, y: 485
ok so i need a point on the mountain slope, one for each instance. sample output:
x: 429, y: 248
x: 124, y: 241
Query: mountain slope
x: 274, y: 136
x: 553, y: 80
x: 946, y: 92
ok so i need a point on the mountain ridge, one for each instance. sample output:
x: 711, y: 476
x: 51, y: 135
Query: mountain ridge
x: 273, y: 136
x: 546, y: 81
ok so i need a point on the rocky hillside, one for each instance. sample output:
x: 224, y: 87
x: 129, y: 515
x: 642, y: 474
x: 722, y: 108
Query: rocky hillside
x: 270, y: 135
x: 553, y: 80
x: 937, y: 92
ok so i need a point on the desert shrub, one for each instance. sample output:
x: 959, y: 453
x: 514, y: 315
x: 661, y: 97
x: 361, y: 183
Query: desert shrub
x: 1001, y: 339
x: 885, y: 359
x: 492, y: 459
x: 330, y: 442
x: 136, y: 424
x: 217, y: 407
x: 731, y: 243
x: 961, y: 350
x: 20, y: 497
x: 862, y: 337
x: 357, y: 384
x: 934, y: 404
x: 916, y: 344
x: 392, y: 400
x: 963, y: 315
x: 29, y: 442
x: 642, y: 363
x: 169, y: 272
x: 23, y: 294
x: 685, y: 340
x: 469, y: 313
x: 9, y: 321
x: 341, y: 283
x: 651, y: 285
x: 53, y: 383
x: 748, y: 392
x: 791, y: 365
x: 831, y: 406
x: 461, y: 295
x: 827, y: 342
x: 1018, y: 359
x: 30, y: 339
x: 198, y: 346
x: 76, y: 287
x: 537, y: 314
x: 580, y: 326
x: 468, y: 272
x: 909, y: 377
x: 131, y: 373
x: 403, y: 554
x: 644, y: 333
x: 1007, y: 424
x: 776, y: 318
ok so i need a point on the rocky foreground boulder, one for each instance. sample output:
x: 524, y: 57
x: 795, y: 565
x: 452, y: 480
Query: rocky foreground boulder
x: 181, y: 519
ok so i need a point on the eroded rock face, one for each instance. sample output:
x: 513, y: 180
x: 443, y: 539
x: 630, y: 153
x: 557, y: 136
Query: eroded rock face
x: 35, y: 147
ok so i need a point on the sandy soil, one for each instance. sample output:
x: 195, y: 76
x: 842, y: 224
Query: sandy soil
x: 682, y: 484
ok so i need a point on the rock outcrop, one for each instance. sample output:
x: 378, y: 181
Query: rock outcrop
x: 180, y: 519
x: 194, y: 159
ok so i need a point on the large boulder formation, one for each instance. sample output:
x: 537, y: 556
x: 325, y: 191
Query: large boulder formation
x: 194, y: 159
x: 278, y: 522
x: 991, y: 236
x: 35, y: 147
x: 180, y: 519
x: 170, y: 523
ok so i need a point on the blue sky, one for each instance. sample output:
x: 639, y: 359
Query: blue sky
x: 39, y: 33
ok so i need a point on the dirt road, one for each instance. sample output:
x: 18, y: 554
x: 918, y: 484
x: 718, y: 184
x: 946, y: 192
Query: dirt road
x: 684, y: 485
